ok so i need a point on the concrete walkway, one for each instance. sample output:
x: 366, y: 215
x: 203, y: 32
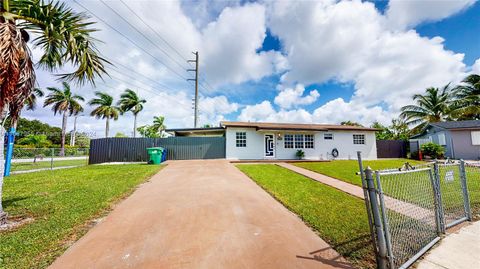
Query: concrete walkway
x: 200, y: 214
x: 459, y: 250
x: 407, y: 209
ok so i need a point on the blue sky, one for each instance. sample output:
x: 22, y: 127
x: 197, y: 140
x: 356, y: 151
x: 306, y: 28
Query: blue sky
x: 286, y: 61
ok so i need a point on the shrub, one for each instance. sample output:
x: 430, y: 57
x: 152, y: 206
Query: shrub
x: 300, y: 154
x: 432, y: 150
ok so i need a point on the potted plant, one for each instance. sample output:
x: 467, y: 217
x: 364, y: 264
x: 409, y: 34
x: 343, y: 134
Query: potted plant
x: 300, y: 154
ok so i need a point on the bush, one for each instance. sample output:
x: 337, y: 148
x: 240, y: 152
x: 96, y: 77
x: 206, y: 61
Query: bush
x: 300, y: 154
x: 432, y: 150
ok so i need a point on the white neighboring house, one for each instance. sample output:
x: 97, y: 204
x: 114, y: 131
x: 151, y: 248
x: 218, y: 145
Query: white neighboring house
x: 261, y: 140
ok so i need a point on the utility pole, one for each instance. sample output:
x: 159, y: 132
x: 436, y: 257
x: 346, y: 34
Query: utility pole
x: 195, y: 115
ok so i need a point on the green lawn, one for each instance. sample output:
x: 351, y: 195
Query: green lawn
x: 345, y: 169
x: 62, y: 204
x: 25, y: 166
x: 415, y: 191
x: 339, y: 218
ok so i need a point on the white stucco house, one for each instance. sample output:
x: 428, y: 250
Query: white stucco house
x: 261, y: 140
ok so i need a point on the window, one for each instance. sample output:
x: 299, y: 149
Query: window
x: 328, y: 136
x: 359, y: 139
x: 309, y: 141
x: 476, y: 138
x: 289, y: 141
x: 299, y: 141
x: 241, y: 139
x: 441, y: 139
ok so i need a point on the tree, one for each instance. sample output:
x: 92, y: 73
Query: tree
x: 62, y: 35
x: 433, y: 106
x: 466, y: 105
x: 148, y: 131
x: 129, y: 101
x: 158, y: 124
x: 37, y: 141
x: 105, y: 109
x: 398, y: 130
x: 36, y: 127
x: 120, y: 134
x: 66, y: 103
x: 350, y: 123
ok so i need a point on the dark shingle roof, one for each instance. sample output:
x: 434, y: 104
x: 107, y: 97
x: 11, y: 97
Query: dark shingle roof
x: 466, y: 124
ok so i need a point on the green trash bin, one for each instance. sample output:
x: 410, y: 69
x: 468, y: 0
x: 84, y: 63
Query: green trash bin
x: 155, y: 155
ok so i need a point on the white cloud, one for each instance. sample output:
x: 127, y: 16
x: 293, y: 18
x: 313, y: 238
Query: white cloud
x: 402, y: 14
x: 229, y: 46
x: 476, y: 67
x: 293, y: 97
x: 332, y: 112
x: 349, y: 42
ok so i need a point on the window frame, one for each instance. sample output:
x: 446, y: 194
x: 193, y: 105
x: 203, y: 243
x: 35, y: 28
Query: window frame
x: 359, y: 139
x: 330, y: 134
x: 312, y: 141
x: 241, y: 139
x: 302, y: 141
x: 288, y: 138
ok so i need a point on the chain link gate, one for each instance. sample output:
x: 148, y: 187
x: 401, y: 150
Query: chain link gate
x: 412, y: 206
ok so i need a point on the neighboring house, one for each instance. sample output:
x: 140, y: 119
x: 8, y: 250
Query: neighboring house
x: 260, y: 140
x: 461, y: 139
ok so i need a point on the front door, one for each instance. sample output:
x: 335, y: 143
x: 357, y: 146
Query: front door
x: 269, y: 142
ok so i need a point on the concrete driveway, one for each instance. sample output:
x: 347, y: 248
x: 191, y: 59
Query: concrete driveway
x: 200, y: 214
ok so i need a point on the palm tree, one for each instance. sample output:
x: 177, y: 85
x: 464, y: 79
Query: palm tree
x: 105, y: 109
x: 62, y: 35
x: 431, y: 107
x: 158, y: 124
x: 66, y: 103
x: 129, y: 101
x: 466, y: 105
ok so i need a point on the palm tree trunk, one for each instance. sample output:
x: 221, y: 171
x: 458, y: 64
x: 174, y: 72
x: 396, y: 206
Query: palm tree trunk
x: 134, y: 125
x: 64, y: 132
x: 107, y: 127
x: 74, y: 132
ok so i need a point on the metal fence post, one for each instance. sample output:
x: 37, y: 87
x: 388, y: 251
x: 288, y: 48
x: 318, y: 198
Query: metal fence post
x: 436, y: 203
x: 388, y: 240
x: 381, y: 244
x: 438, y: 194
x: 367, y: 202
x: 51, y: 158
x: 466, y: 198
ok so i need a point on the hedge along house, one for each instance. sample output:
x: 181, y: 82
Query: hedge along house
x: 261, y: 140
x: 460, y: 139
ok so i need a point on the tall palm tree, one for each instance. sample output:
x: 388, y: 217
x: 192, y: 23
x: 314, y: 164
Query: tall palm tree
x: 105, y: 109
x: 130, y: 101
x: 62, y: 35
x: 66, y: 103
x: 433, y: 106
x: 466, y: 105
x: 158, y: 124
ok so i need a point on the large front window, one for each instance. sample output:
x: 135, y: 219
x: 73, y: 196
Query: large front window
x: 299, y: 141
x: 359, y: 139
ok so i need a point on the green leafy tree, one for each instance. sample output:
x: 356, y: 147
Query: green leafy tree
x: 62, y: 35
x: 120, y: 134
x: 466, y: 105
x: 433, y: 106
x: 148, y: 131
x: 65, y: 103
x: 104, y: 109
x: 383, y: 132
x: 350, y: 123
x: 130, y: 101
x: 28, y: 127
x: 37, y: 141
x: 158, y: 124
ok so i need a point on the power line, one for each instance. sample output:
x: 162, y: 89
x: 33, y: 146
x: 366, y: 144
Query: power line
x: 130, y: 40
x: 135, y: 79
x: 142, y: 34
x: 153, y: 30
x: 140, y: 74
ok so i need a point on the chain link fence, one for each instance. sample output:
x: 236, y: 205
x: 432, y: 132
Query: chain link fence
x: 38, y: 159
x: 412, y: 206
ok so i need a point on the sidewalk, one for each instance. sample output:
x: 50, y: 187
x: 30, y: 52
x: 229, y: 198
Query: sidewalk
x: 459, y: 250
x: 200, y: 214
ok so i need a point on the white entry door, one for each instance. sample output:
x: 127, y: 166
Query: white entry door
x: 269, y: 142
